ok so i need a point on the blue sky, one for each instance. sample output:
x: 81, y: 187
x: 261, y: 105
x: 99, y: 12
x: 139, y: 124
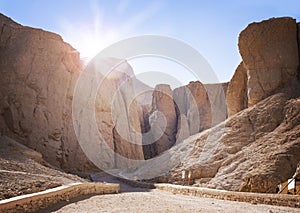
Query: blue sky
x: 211, y: 26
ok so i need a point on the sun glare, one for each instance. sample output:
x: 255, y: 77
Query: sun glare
x: 89, y: 44
x: 91, y: 36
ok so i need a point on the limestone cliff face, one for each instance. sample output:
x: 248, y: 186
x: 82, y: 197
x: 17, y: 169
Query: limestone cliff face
x: 39, y: 72
x: 237, y: 98
x: 270, y: 55
x: 253, y: 150
x: 298, y: 40
x: 118, y: 115
x: 199, y: 107
x: 192, y: 109
x: 163, y: 118
x: 258, y: 148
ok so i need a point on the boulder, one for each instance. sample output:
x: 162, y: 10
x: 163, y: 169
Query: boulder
x: 270, y: 55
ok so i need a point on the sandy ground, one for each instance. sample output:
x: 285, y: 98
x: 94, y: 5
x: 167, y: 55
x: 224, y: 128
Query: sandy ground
x: 143, y: 200
x: 160, y: 201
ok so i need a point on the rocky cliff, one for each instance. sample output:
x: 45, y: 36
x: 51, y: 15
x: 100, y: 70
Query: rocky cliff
x: 257, y: 147
x: 162, y: 118
x: 39, y: 72
x: 199, y: 107
x: 39, y: 75
x: 117, y: 120
x: 269, y: 50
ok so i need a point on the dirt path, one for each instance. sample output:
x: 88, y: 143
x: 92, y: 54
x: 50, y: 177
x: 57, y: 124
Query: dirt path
x: 143, y: 200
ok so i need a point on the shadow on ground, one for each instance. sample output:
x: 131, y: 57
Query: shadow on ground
x: 125, y: 188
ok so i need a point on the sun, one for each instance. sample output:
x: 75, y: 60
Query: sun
x: 89, y: 42
x: 98, y: 30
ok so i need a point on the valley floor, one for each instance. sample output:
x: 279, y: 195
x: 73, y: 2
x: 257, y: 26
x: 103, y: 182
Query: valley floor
x: 143, y: 200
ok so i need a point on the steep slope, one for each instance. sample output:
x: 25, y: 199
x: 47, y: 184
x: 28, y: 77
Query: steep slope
x: 23, y: 171
x: 254, y: 150
x: 259, y: 147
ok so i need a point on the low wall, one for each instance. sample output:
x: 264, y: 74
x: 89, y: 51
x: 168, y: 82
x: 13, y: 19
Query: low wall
x: 255, y: 198
x: 40, y: 200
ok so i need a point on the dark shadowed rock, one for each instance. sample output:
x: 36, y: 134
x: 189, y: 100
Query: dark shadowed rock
x: 236, y: 98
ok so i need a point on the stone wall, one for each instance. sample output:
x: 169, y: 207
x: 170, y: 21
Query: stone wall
x: 40, y: 200
x: 254, y: 198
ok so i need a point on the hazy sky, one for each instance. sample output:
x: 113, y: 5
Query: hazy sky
x: 211, y: 26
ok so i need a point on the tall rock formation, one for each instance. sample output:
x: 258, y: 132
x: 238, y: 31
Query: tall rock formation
x: 39, y: 72
x: 118, y: 113
x: 39, y: 75
x: 192, y: 109
x: 237, y: 98
x: 257, y: 148
x: 163, y: 118
x: 199, y: 107
x: 270, y: 55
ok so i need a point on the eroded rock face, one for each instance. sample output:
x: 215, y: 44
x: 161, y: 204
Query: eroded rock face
x: 163, y: 118
x: 253, y: 150
x: 258, y: 148
x: 270, y: 55
x: 199, y: 107
x: 192, y: 108
x: 298, y: 39
x: 237, y: 99
x: 39, y: 72
x: 118, y: 115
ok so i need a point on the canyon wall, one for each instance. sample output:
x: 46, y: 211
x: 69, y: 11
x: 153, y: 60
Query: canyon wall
x: 39, y: 75
x: 39, y: 72
x: 270, y: 53
x: 257, y: 147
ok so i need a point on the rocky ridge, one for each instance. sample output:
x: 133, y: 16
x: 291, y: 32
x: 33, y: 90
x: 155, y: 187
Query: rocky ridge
x: 257, y: 147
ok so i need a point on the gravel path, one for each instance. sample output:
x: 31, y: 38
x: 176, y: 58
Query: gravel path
x: 143, y: 200
x: 160, y: 201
